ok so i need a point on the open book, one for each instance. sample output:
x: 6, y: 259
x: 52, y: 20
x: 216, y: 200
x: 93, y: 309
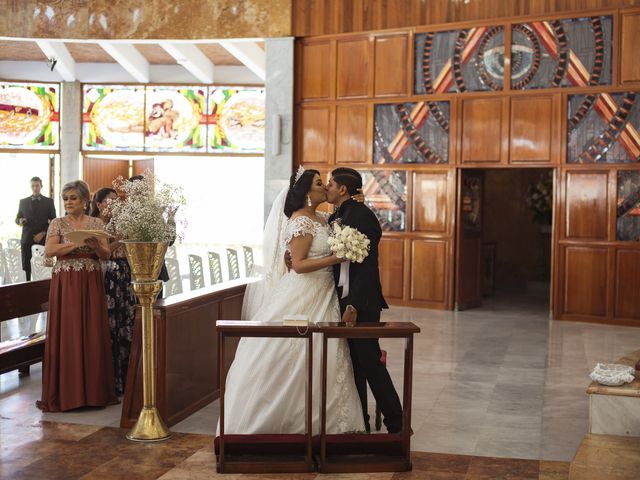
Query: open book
x: 295, y: 321
x: 79, y: 236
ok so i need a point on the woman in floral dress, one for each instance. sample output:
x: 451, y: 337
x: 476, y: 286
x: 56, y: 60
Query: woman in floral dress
x: 77, y: 365
x: 121, y: 300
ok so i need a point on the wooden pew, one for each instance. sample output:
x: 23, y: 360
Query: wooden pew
x: 186, y: 351
x: 20, y: 300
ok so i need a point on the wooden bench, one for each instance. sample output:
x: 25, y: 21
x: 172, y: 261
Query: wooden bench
x: 19, y: 300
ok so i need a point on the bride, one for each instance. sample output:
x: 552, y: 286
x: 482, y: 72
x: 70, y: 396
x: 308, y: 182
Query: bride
x: 265, y: 386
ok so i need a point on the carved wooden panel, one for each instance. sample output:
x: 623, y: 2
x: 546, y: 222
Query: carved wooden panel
x: 431, y: 201
x: 586, y: 209
x: 352, y: 77
x: 481, y: 130
x: 629, y: 47
x: 429, y: 271
x: 351, y: 141
x: 391, y: 261
x: 627, y: 297
x: 532, y: 129
x: 390, y: 74
x: 585, y: 280
x: 315, y: 134
x: 316, y: 70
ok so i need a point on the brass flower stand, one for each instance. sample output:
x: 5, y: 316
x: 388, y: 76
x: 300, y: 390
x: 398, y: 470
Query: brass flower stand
x: 145, y: 260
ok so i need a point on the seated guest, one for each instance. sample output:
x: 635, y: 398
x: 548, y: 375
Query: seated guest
x: 77, y: 365
x: 121, y: 300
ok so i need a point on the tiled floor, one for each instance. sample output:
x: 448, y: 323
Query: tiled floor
x: 500, y: 381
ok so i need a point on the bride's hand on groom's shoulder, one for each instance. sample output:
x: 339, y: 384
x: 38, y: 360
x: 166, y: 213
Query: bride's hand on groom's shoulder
x: 358, y: 197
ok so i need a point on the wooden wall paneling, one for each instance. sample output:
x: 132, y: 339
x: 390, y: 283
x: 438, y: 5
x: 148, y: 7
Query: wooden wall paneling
x: 315, y: 17
x: 316, y: 134
x: 482, y: 130
x: 429, y: 272
x: 316, y: 67
x: 352, y: 141
x: 533, y: 129
x: 431, y: 201
x: 354, y: 67
x: 629, y: 47
x: 390, y: 65
x: 391, y: 261
x: 142, y: 165
x: 100, y: 172
x: 586, y: 280
x: 627, y: 283
x: 587, y: 211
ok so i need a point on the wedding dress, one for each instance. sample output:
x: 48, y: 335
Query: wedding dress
x: 265, y: 386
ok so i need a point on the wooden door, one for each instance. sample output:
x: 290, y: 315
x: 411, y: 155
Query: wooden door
x: 469, y: 239
x: 99, y: 172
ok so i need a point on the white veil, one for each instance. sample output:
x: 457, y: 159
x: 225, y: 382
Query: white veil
x: 273, y: 259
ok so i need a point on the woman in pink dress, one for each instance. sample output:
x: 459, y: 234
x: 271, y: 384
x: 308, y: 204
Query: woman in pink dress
x: 77, y: 366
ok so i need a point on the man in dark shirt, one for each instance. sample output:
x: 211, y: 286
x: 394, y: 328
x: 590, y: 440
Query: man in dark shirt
x: 34, y: 214
x: 360, y: 289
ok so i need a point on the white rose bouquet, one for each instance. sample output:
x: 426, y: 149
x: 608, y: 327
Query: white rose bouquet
x: 348, y: 242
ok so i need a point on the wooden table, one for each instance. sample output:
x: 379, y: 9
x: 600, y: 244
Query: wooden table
x: 372, y: 461
x: 281, y: 462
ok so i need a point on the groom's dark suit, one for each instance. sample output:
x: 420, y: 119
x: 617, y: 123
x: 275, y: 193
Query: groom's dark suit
x: 365, y: 294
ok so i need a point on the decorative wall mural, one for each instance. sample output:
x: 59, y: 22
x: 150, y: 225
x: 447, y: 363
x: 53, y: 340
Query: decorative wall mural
x: 113, y: 117
x: 411, y: 133
x: 174, y: 119
x: 628, y: 210
x: 558, y: 53
x: 236, y: 120
x: 29, y: 115
x: 603, y: 128
x: 572, y: 52
x: 459, y: 60
x: 385, y: 193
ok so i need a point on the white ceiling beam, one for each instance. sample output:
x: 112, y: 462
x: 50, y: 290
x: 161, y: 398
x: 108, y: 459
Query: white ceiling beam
x: 250, y: 54
x: 64, y: 63
x: 191, y: 58
x: 129, y: 58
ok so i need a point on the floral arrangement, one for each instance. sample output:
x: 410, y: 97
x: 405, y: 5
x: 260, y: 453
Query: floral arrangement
x: 145, y: 211
x: 348, y: 242
x: 540, y: 198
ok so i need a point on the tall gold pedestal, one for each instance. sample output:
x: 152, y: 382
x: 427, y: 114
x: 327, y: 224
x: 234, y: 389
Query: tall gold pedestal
x: 146, y: 260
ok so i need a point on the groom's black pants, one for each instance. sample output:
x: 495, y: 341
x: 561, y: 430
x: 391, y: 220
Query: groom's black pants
x: 367, y: 368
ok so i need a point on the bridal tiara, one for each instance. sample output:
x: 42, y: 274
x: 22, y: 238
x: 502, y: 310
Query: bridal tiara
x: 299, y: 174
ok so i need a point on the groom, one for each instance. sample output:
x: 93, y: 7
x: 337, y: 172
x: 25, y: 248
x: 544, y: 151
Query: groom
x: 359, y: 286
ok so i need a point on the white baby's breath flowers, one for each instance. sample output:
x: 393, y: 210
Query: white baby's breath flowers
x: 146, y: 211
x: 348, y: 242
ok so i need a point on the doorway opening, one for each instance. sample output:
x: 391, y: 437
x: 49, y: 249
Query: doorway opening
x: 504, y: 237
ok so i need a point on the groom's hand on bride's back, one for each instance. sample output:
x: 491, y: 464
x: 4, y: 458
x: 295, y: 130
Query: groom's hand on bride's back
x: 287, y: 260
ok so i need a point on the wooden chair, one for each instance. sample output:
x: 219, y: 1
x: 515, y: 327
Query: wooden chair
x: 234, y: 266
x: 13, y: 259
x: 248, y: 260
x: 196, y: 274
x: 215, y: 268
x: 174, y: 285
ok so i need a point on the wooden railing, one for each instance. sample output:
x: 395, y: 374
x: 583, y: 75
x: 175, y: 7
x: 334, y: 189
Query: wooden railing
x: 186, y: 352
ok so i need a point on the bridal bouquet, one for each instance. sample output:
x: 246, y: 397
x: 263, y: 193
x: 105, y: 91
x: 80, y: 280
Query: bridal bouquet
x: 147, y: 211
x: 348, y: 242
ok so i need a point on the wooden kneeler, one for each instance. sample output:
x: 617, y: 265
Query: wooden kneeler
x: 356, y: 453
x: 265, y: 453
